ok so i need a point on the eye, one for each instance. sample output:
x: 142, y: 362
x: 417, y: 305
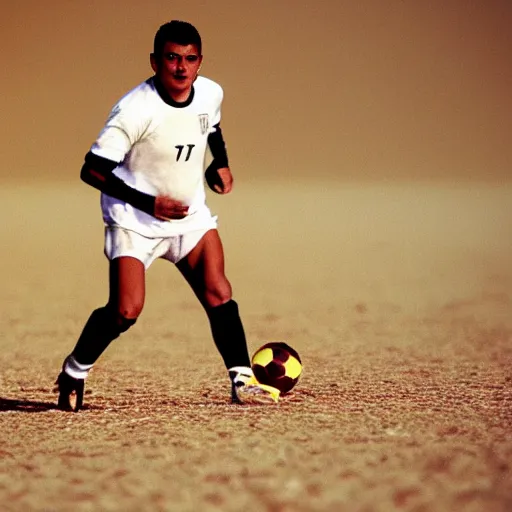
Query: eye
x: 170, y: 56
x: 192, y: 58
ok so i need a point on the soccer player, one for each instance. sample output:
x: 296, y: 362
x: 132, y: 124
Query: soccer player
x: 148, y: 164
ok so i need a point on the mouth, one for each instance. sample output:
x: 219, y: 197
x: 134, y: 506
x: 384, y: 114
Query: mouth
x: 180, y: 78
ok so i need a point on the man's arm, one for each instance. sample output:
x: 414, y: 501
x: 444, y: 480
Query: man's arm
x: 97, y: 172
x: 218, y: 175
x: 218, y: 148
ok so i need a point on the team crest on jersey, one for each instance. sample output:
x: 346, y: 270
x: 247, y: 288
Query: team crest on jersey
x: 204, y: 122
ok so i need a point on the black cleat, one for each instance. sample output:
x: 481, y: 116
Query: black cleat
x: 71, y: 392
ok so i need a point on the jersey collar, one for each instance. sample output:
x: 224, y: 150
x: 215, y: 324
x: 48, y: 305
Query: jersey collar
x: 167, y: 99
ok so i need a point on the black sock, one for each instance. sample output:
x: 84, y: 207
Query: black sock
x: 228, y: 334
x: 100, y: 330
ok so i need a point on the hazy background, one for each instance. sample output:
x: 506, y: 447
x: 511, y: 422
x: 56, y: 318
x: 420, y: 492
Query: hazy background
x: 358, y: 90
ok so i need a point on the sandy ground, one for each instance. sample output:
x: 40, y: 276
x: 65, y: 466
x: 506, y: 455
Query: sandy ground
x: 398, y: 298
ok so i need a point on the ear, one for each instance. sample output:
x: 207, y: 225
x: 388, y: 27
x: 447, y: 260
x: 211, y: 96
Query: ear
x: 153, y: 61
x: 199, y: 67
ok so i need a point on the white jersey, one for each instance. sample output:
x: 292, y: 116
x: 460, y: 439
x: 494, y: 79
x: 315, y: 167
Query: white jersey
x: 162, y: 149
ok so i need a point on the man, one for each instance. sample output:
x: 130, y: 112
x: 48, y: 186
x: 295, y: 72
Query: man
x: 148, y: 163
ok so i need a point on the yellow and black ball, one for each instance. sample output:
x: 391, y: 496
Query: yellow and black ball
x: 278, y: 365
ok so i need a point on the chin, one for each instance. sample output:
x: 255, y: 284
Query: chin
x: 182, y: 86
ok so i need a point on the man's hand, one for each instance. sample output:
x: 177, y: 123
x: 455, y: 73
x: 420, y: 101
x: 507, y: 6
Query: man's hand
x: 168, y: 209
x: 219, y: 180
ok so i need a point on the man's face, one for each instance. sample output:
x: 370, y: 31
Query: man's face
x: 177, y: 68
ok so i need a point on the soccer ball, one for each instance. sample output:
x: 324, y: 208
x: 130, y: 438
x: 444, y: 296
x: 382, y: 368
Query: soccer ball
x: 278, y: 365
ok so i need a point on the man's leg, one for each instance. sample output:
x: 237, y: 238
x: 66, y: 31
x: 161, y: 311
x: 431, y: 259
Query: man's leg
x: 203, y: 268
x: 126, y: 300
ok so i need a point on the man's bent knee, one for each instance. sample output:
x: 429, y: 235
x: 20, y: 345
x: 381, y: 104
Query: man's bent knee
x: 217, y: 296
x: 124, y: 323
x: 123, y: 319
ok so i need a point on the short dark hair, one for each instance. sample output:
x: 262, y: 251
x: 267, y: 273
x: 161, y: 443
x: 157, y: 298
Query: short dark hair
x: 175, y: 31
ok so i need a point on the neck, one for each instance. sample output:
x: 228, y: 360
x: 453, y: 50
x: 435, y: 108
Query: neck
x: 180, y: 96
x: 176, y: 98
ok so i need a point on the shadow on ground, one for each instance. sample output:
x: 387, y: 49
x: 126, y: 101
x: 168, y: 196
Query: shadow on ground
x: 9, y: 404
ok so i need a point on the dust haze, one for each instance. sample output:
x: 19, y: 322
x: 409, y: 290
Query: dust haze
x: 366, y: 90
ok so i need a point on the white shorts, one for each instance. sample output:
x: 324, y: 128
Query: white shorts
x: 123, y: 242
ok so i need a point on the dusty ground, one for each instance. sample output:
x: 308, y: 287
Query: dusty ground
x: 397, y: 297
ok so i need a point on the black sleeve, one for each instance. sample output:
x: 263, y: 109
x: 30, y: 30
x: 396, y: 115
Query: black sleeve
x: 218, y: 148
x: 100, y: 164
x: 97, y: 172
